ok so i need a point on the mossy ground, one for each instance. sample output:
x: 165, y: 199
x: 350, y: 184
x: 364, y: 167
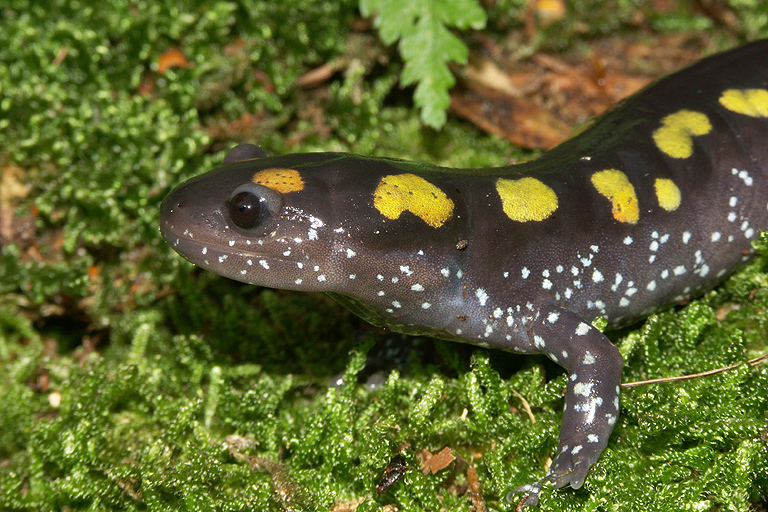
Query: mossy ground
x: 132, y: 381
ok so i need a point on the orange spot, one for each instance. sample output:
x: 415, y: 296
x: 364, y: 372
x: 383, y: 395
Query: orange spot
x: 280, y: 180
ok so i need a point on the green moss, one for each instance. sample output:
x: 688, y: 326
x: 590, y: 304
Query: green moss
x: 132, y: 381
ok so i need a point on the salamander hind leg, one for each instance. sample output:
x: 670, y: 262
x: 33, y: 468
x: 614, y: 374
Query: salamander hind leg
x: 592, y: 398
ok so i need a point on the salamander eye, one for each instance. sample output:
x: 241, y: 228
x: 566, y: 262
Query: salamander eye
x: 247, y: 210
x: 254, y: 208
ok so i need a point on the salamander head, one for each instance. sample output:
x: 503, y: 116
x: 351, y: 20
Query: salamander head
x: 258, y: 220
x: 381, y: 233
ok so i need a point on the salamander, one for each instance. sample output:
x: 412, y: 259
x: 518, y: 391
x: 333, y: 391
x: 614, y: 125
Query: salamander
x: 657, y: 200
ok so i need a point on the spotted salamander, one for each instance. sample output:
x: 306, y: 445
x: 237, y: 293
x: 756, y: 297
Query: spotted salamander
x: 658, y: 199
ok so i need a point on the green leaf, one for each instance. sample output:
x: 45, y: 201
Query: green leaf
x: 427, y: 45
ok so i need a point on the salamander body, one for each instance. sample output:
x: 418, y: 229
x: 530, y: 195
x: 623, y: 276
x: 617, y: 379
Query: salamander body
x: 657, y: 200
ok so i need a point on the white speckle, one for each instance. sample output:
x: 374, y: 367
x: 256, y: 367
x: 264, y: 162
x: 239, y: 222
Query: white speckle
x: 380, y: 277
x: 312, y: 234
x: 574, y: 271
x: 732, y: 201
x: 445, y: 272
x: 264, y: 264
x: 654, y: 246
x: 510, y: 321
x: 482, y: 297
x: 748, y: 233
x: 299, y: 264
x: 686, y: 237
x: 545, y: 273
x: 390, y: 310
x: 722, y: 273
x: 744, y: 225
x: 617, y: 282
x: 352, y: 276
x: 679, y: 270
x: 553, y: 316
x: 321, y: 278
x: 538, y: 341
x: 505, y: 274
x: 704, y: 270
x: 286, y: 253
x: 525, y: 272
x: 559, y: 269
x: 231, y: 243
x: 546, y: 284
x: 351, y: 253
x: 628, y: 240
x: 651, y: 258
x: 592, y: 438
x: 624, y: 302
x: 497, y: 313
x: 630, y: 292
x: 316, y: 268
x: 577, y: 283
x: 242, y: 272
x: 665, y: 273
x: 426, y: 305
x: 582, y: 329
x: 380, y: 293
x: 597, y: 276
x: 568, y: 293
x: 222, y: 258
x: 600, y: 304
x: 746, y: 178
x: 582, y: 388
x: 417, y: 288
x: 715, y: 236
x: 586, y: 261
x: 488, y: 330
x: 395, y: 279
x: 564, y: 354
x: 576, y: 449
x: 298, y: 281
x: 421, y: 253
x: 594, y: 248
x: 732, y: 217
x: 396, y: 303
x: 249, y: 262
x: 205, y: 250
x: 297, y: 240
x: 405, y: 269
x: 459, y: 274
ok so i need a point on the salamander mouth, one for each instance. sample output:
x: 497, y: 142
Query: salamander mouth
x: 274, y: 270
x: 193, y: 249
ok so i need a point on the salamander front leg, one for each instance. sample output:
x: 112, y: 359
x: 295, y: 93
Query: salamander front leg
x: 592, y: 398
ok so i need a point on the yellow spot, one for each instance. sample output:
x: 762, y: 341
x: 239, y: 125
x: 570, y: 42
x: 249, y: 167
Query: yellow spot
x: 616, y: 187
x: 667, y: 193
x: 408, y: 192
x: 750, y: 102
x: 526, y: 199
x: 280, y: 180
x: 675, y: 135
